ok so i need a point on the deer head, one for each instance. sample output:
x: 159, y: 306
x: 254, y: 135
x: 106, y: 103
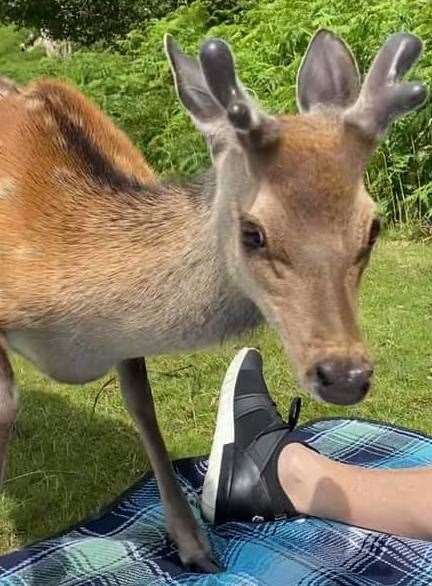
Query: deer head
x: 293, y: 219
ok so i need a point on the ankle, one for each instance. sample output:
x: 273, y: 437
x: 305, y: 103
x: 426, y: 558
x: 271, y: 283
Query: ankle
x: 300, y: 471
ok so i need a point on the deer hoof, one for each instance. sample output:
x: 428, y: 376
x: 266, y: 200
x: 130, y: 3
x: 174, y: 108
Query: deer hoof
x: 193, y: 548
x: 204, y: 565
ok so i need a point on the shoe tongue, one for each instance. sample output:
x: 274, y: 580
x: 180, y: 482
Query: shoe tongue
x: 290, y: 425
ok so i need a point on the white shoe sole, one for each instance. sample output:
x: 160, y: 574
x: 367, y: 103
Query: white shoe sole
x: 224, y: 434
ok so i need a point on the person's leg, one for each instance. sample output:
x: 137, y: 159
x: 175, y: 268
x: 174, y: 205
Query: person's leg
x: 258, y: 470
x: 391, y: 501
x: 241, y: 481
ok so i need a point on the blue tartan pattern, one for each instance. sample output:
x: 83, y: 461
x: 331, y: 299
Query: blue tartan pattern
x: 127, y: 545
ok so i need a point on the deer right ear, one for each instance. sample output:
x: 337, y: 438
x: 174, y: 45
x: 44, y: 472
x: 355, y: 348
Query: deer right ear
x: 192, y: 88
x: 328, y: 75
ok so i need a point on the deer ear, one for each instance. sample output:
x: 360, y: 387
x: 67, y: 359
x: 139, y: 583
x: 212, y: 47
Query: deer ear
x: 328, y: 75
x: 191, y: 87
x: 384, y: 97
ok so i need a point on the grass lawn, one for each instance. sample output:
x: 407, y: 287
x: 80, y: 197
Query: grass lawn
x: 69, y: 458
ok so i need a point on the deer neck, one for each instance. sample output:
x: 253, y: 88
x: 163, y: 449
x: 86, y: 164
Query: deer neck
x: 129, y: 274
x: 176, y: 290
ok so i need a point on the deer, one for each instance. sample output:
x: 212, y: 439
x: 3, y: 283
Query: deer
x: 103, y: 264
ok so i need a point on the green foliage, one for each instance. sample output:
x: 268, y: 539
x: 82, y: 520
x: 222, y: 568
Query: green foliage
x: 13, y: 63
x: 226, y: 11
x: 85, y: 21
x: 269, y: 38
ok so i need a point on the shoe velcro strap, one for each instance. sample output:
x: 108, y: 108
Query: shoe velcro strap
x: 245, y: 404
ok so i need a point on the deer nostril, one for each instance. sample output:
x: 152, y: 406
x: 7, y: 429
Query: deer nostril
x: 325, y: 373
x: 361, y: 376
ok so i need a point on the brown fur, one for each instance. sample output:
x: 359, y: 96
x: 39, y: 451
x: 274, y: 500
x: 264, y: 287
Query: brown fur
x: 79, y: 199
x: 53, y: 200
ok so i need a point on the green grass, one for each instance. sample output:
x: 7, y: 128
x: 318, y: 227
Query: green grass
x: 66, y: 460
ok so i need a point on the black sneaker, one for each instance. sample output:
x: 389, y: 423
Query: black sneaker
x: 241, y: 483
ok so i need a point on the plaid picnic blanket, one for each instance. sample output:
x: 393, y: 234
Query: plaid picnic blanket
x: 127, y: 545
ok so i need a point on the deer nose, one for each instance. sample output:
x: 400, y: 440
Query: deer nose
x: 341, y: 381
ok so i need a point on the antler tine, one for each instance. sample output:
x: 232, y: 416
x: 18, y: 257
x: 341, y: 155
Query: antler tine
x: 219, y: 71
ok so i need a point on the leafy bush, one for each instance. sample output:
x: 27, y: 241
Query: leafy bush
x: 226, y: 11
x: 85, y: 21
x: 269, y: 39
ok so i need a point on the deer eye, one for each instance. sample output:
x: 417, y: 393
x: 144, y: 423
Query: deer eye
x: 374, y: 232
x: 252, y: 235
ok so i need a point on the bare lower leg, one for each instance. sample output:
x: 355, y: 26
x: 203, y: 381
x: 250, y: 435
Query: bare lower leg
x: 392, y: 501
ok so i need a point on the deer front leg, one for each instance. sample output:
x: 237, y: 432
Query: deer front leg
x: 8, y: 407
x: 192, y: 544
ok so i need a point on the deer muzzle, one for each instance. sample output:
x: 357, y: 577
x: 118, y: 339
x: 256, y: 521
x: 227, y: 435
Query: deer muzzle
x: 342, y: 381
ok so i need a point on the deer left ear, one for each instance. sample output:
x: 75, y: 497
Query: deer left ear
x: 328, y: 75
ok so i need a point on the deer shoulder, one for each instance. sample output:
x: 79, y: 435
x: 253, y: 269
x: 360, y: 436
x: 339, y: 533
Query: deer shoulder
x: 62, y: 164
